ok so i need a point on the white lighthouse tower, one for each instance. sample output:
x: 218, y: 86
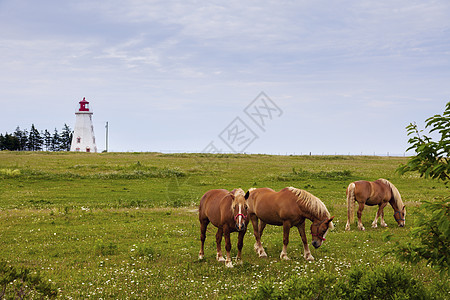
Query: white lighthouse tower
x: 83, y: 136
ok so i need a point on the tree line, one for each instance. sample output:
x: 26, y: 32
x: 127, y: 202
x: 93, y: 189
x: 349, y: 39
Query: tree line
x: 35, y: 140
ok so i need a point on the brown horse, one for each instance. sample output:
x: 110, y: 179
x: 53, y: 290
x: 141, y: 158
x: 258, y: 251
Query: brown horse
x: 288, y: 208
x: 379, y: 192
x: 228, y: 212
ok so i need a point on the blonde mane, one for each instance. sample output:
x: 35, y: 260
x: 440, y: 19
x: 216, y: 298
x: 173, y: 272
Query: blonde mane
x: 236, y: 192
x: 314, y: 204
x: 395, y: 193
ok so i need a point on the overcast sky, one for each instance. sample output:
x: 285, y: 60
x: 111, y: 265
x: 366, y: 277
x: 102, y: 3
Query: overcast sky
x: 275, y: 77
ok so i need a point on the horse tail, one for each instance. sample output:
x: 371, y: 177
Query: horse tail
x: 350, y: 202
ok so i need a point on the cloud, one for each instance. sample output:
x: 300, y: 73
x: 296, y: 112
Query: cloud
x: 179, y: 61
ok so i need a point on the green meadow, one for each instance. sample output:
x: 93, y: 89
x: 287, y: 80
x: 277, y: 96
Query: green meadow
x: 124, y: 225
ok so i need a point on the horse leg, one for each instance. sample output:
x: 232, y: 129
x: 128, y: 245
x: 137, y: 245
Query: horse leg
x: 378, y: 214
x: 239, y: 246
x: 219, y: 234
x: 359, y: 214
x: 306, y: 252
x: 286, y: 229
x: 226, y: 233
x: 382, y: 222
x: 347, y: 226
x: 203, y: 225
x: 254, y: 220
x: 260, y: 250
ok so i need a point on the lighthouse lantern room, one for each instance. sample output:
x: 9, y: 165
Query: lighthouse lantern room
x: 83, y: 139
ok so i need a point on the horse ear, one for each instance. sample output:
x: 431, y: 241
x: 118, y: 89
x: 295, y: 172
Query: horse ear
x: 247, y: 195
x: 331, y: 219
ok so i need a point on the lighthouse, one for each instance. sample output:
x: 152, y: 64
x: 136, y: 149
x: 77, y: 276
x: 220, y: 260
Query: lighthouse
x: 83, y: 136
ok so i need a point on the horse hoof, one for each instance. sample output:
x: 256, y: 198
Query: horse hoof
x: 229, y: 264
x: 374, y: 225
x: 239, y: 262
x: 263, y: 255
x: 200, y: 257
x: 220, y: 258
x: 310, y: 258
x: 347, y: 227
x: 284, y: 256
x: 256, y: 247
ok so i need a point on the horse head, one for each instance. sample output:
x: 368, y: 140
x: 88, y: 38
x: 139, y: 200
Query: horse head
x: 399, y: 216
x: 319, y: 230
x: 239, y: 207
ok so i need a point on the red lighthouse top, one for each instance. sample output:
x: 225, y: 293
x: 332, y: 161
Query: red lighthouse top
x: 84, y: 105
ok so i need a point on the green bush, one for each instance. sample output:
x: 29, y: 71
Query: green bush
x: 143, y: 250
x: 21, y: 283
x: 8, y: 173
x: 382, y: 282
x: 102, y: 248
x: 390, y: 282
x: 304, y: 174
x: 430, y: 238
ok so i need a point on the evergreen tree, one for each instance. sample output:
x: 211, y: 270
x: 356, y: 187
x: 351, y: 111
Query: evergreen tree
x: 47, y: 140
x: 22, y: 137
x: 56, y: 141
x: 9, y: 142
x: 66, y: 138
x: 2, y: 141
x: 35, y: 140
x: 22, y: 140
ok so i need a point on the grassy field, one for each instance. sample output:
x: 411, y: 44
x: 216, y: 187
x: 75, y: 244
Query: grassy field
x: 124, y: 225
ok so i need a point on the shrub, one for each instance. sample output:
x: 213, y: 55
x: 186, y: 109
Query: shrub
x: 382, y: 282
x: 8, y: 173
x: 387, y: 282
x: 143, y: 250
x: 20, y: 283
x: 101, y: 248
x: 303, y: 174
x: 430, y: 238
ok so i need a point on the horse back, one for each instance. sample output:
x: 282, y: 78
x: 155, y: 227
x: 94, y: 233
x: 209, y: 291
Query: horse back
x: 273, y: 207
x: 372, y: 192
x: 215, y: 205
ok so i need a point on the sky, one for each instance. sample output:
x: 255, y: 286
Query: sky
x: 275, y: 77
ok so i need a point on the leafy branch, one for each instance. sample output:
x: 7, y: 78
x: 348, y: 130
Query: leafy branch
x: 432, y: 157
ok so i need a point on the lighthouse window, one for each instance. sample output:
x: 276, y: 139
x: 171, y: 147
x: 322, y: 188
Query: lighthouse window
x: 78, y: 140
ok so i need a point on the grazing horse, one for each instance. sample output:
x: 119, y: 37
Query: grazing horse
x: 379, y: 192
x: 288, y: 208
x: 228, y: 212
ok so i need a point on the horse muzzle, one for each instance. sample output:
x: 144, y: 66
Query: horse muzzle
x: 240, y: 221
x: 317, y: 244
x: 317, y: 240
x: 240, y: 227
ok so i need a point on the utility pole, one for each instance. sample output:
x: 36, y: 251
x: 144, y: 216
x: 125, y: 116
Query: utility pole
x: 107, y: 127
